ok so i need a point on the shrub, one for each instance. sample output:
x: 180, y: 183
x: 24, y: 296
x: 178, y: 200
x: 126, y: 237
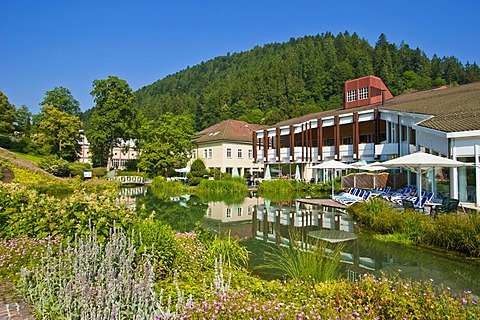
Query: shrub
x: 77, y: 168
x: 56, y: 166
x: 223, y: 187
x: 305, y: 262
x: 27, y: 213
x: 159, y: 238
x: 458, y: 232
x: 99, y: 172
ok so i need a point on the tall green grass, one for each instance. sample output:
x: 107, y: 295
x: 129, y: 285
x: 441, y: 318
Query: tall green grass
x: 223, y: 187
x: 457, y: 232
x: 283, y: 189
x: 303, y: 262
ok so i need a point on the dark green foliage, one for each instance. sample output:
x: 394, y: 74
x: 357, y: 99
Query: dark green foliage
x: 284, y: 80
x: 113, y: 119
x: 197, y: 166
x: 164, y: 143
x: 197, y: 173
x: 77, y: 168
x: 7, y: 115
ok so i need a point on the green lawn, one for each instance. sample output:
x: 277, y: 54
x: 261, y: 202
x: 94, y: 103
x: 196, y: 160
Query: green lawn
x: 30, y: 157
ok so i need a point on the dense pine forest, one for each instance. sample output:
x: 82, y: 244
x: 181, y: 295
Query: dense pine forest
x: 284, y: 80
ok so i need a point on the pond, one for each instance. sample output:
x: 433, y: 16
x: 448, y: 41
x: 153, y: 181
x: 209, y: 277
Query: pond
x: 259, y: 222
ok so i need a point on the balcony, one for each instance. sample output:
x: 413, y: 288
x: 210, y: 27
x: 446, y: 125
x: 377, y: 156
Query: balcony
x: 365, y: 151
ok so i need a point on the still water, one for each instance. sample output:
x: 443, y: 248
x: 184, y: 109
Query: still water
x: 259, y: 222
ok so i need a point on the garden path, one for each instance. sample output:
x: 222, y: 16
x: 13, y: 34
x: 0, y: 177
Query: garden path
x: 12, y: 307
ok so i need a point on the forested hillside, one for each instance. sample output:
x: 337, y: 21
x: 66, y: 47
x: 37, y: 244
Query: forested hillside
x: 284, y: 80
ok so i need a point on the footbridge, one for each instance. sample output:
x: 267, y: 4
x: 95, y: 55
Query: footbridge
x: 129, y: 179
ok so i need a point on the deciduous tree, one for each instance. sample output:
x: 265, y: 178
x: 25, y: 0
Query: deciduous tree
x: 62, y: 99
x: 58, y: 133
x: 114, y: 118
x: 165, y: 143
x: 7, y: 115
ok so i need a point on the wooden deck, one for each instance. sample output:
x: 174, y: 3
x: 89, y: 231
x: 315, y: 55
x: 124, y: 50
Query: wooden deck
x: 323, y: 202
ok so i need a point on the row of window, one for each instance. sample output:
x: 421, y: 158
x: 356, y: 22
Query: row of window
x: 116, y: 163
x: 230, y: 210
x: 208, y: 153
x: 362, y: 94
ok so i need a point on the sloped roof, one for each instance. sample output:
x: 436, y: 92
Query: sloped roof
x: 321, y: 114
x: 228, y: 130
x: 454, y: 109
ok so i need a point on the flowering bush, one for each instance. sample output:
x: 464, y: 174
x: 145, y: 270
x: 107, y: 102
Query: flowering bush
x: 24, y: 212
x: 20, y: 252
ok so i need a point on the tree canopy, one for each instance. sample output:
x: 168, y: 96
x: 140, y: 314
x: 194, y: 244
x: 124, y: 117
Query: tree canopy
x: 62, y: 99
x: 284, y: 80
x: 58, y: 133
x: 113, y: 120
x: 165, y: 143
x: 7, y: 115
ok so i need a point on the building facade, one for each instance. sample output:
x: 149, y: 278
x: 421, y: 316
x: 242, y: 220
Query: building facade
x: 227, y: 145
x: 375, y: 126
x: 121, y: 155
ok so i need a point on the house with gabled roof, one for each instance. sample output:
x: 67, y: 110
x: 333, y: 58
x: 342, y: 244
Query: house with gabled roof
x: 373, y: 125
x: 227, y: 145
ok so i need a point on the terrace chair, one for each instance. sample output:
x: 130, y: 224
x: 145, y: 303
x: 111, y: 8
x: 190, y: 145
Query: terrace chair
x: 397, y: 193
x: 451, y: 206
x: 354, y: 193
x: 409, y: 194
x: 366, y: 196
x: 343, y: 193
x: 442, y: 208
x: 357, y: 195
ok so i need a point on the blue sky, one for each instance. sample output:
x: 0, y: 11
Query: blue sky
x: 66, y: 43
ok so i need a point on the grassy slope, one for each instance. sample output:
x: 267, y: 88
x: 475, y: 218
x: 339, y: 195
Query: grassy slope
x: 24, y: 163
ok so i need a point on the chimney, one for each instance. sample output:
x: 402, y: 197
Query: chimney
x: 383, y: 97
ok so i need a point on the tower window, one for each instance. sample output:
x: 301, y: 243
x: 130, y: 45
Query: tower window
x: 351, y: 95
x: 363, y: 93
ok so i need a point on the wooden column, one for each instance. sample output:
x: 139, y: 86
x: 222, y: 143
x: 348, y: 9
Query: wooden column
x: 254, y: 144
x: 292, y: 143
x: 376, y: 117
x: 303, y: 142
x: 336, y: 137
x: 310, y: 139
x: 356, y: 133
x: 278, y: 143
x: 265, y: 145
x: 320, y: 137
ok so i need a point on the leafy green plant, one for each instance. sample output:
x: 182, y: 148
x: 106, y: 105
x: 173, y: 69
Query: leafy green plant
x: 24, y: 212
x: 159, y: 238
x: 56, y: 166
x: 99, y: 172
x: 457, y: 232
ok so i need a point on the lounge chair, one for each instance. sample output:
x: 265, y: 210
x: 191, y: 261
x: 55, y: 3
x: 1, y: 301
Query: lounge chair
x: 365, y: 197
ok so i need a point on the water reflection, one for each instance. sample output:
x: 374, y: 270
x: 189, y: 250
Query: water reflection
x: 260, y: 221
